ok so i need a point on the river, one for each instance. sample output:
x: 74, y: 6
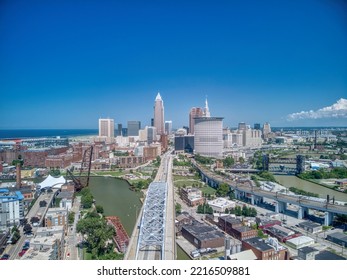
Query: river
x: 117, y: 199
x: 293, y: 181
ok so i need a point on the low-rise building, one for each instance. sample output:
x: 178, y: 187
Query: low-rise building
x: 192, y: 196
x: 221, y: 204
x: 268, y: 249
x: 300, y: 242
x: 56, y: 217
x: 338, y: 238
x: 203, y: 236
x: 311, y: 227
x: 46, y: 247
x: 307, y: 253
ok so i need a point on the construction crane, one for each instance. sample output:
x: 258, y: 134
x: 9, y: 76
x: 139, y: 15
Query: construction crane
x: 82, y: 180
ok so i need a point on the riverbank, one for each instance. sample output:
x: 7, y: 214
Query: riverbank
x: 316, y: 181
x: 294, y: 181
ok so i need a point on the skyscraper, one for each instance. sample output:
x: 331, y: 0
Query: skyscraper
x: 168, y: 127
x: 159, y: 114
x: 106, y: 128
x: 266, y: 129
x: 208, y: 139
x: 133, y: 128
x: 195, y: 112
x: 119, y: 131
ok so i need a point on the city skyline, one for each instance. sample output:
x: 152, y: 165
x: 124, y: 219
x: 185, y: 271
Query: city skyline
x: 282, y: 63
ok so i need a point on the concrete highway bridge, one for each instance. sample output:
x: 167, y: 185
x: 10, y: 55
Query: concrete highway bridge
x: 256, y: 196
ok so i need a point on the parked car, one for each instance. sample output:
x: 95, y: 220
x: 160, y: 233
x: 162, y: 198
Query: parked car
x: 5, y: 257
x: 21, y: 253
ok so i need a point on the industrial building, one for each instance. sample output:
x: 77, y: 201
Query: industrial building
x: 311, y: 227
x: 307, y: 253
x: 203, y: 236
x: 338, y: 238
x: 300, y: 242
x: 268, y: 249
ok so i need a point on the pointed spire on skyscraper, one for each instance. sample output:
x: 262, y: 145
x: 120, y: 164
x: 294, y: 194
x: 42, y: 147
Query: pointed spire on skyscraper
x: 158, y: 96
x: 207, y: 110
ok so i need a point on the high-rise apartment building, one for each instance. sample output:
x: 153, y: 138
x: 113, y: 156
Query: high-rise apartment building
x: 106, y: 128
x: 159, y: 114
x: 208, y: 140
x: 168, y: 127
x: 133, y: 128
x: 195, y: 112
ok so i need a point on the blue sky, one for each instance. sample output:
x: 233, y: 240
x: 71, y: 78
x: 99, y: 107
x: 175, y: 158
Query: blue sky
x: 64, y: 64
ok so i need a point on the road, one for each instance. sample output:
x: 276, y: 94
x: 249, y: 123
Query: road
x: 72, y: 251
x: 35, y: 211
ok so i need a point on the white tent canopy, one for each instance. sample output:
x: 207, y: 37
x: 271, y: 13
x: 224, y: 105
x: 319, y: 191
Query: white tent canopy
x: 52, y: 182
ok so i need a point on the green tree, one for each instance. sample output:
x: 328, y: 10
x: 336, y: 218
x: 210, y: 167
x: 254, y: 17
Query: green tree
x: 178, y: 208
x: 87, y: 201
x: 228, y: 162
x: 222, y: 190
x: 71, y: 217
x: 99, y: 209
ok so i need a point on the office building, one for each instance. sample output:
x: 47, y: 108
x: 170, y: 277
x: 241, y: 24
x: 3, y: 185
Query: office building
x: 133, y: 128
x: 151, y: 134
x: 251, y: 138
x: 195, y: 112
x: 184, y: 144
x: 106, y: 128
x: 168, y: 127
x: 159, y: 114
x: 119, y: 131
x: 266, y: 130
x: 208, y: 139
x: 257, y: 126
x: 242, y: 126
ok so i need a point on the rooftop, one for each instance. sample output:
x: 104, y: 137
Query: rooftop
x: 307, y: 250
x: 203, y: 232
x: 326, y: 255
x: 259, y: 244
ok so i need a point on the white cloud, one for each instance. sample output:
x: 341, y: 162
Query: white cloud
x: 337, y: 110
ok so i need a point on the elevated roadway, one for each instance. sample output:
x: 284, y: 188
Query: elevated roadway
x: 256, y: 194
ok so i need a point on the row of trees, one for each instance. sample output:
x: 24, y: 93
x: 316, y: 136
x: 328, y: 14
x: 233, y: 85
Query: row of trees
x: 267, y: 176
x: 242, y: 211
x: 338, y: 172
x: 203, y: 160
x: 302, y: 192
x: 204, y: 209
x: 141, y: 184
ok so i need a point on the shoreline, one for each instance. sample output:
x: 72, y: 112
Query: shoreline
x: 323, y: 185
